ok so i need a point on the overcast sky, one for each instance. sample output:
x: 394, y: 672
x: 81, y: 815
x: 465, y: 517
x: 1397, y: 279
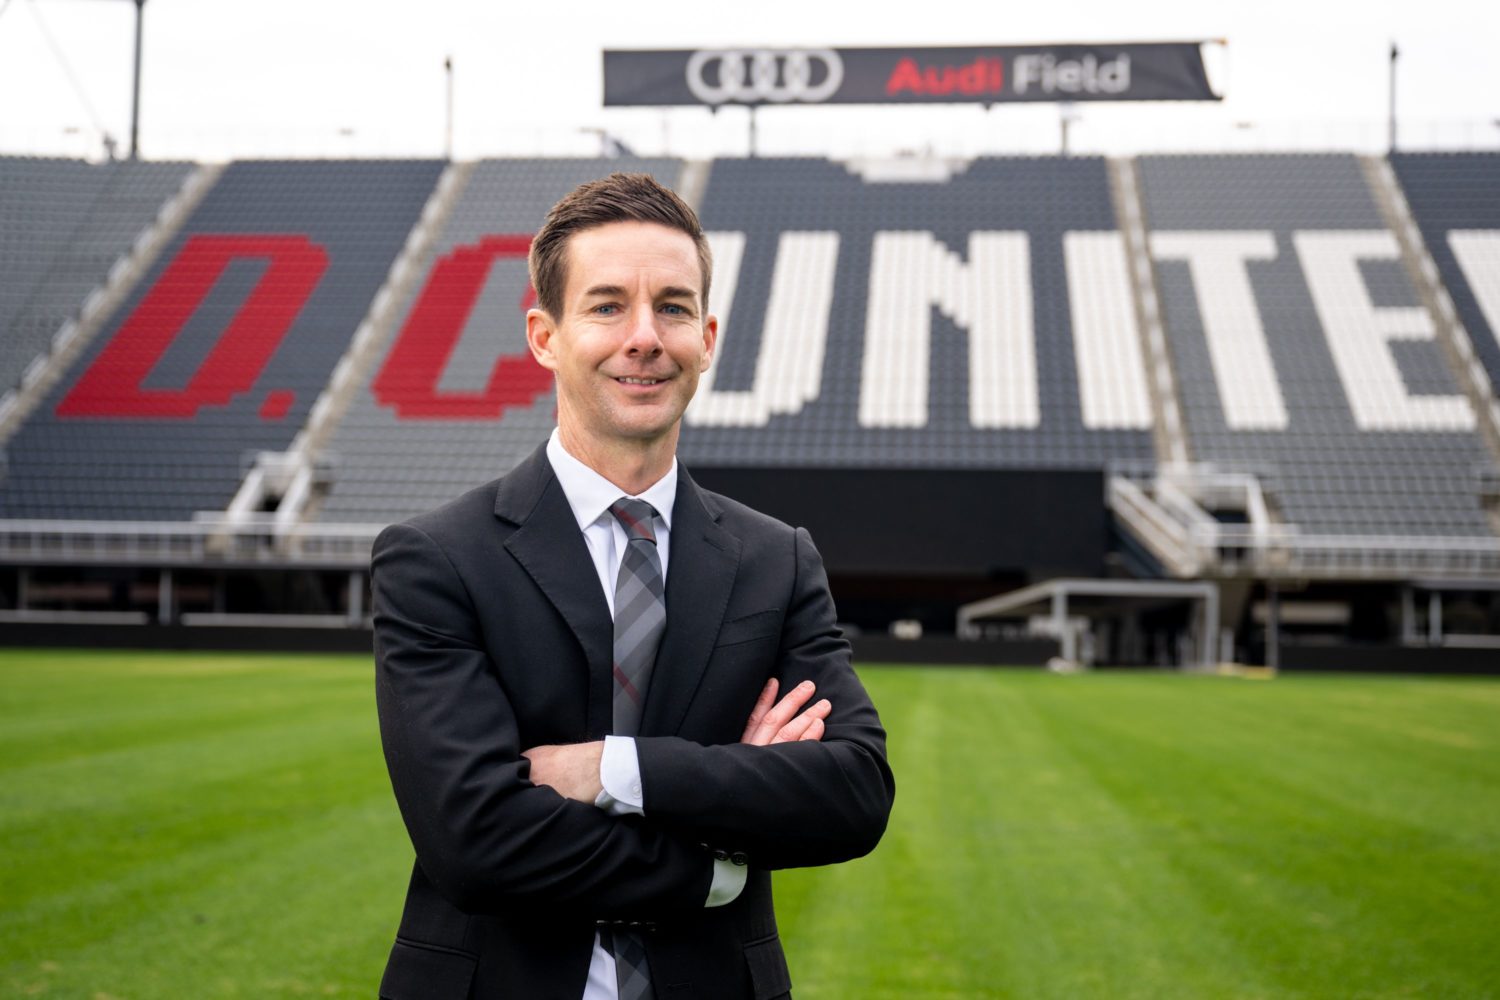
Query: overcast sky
x: 228, y: 78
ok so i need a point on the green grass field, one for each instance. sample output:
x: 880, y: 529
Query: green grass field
x: 196, y: 826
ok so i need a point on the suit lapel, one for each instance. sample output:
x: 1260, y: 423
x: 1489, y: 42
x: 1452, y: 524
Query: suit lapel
x: 700, y: 576
x: 549, y: 546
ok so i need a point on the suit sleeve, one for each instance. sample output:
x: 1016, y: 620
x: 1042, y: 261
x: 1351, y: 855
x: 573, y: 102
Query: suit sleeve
x: 484, y: 834
x: 792, y: 804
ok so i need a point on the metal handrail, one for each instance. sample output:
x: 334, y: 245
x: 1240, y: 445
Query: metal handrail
x: 1192, y: 543
x: 254, y: 538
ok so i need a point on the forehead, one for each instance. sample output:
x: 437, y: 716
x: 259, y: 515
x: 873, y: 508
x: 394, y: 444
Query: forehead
x: 625, y: 254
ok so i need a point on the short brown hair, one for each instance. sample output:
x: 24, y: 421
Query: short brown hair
x: 620, y: 197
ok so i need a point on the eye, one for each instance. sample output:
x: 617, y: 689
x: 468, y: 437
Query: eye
x: 674, y: 309
x: 607, y: 309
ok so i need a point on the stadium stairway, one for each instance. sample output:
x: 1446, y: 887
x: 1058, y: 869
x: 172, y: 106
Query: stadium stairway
x: 221, y: 349
x: 289, y: 482
x: 1310, y: 367
x: 1452, y: 243
x: 1168, y: 433
x: 1423, y: 272
x: 453, y: 398
x: 121, y: 234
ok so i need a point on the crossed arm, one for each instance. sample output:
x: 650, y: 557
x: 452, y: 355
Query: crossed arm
x: 572, y: 769
x: 803, y: 786
x: 493, y: 821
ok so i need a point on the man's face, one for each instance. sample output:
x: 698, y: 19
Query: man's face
x: 632, y: 338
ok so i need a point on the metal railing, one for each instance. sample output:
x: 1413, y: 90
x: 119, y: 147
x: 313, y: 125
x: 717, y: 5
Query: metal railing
x: 1167, y: 515
x: 1163, y: 535
x: 248, y: 540
x: 1285, y: 552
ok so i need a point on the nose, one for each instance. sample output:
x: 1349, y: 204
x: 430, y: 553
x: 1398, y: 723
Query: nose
x: 643, y: 339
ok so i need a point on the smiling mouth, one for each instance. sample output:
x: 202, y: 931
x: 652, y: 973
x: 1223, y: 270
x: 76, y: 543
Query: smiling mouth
x: 629, y: 380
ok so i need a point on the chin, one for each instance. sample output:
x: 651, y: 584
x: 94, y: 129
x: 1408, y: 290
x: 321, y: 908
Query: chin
x: 647, y: 432
x: 646, y: 422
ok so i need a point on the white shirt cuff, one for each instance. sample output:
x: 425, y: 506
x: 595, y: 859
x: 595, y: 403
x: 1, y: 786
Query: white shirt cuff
x: 728, y: 883
x: 620, y: 776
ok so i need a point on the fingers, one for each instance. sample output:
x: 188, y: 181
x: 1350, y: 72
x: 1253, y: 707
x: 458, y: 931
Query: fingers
x: 807, y: 726
x: 762, y: 706
x: 779, y: 715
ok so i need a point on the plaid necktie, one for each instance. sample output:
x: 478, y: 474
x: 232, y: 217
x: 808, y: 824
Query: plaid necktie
x: 640, y: 617
x: 640, y: 613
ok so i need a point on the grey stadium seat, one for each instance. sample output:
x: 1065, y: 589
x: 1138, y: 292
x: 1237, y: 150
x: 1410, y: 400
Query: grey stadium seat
x: 1341, y: 399
x: 1455, y: 198
x: 965, y: 275
x: 222, y: 347
x: 63, y: 224
x: 405, y: 446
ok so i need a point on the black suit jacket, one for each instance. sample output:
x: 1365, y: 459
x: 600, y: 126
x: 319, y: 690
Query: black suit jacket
x: 492, y: 635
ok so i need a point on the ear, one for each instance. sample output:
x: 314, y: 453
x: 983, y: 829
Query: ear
x: 710, y: 340
x: 539, y: 333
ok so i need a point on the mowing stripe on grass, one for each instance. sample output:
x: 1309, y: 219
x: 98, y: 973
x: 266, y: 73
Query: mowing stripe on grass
x: 1165, y: 836
x: 204, y: 825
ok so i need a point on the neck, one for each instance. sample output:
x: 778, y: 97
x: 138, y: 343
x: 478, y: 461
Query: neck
x: 633, y: 466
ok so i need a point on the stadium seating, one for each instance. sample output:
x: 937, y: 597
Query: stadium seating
x: 456, y: 399
x: 798, y: 243
x: 63, y: 224
x: 979, y: 320
x: 1300, y: 349
x: 1455, y: 198
x: 222, y: 347
x: 978, y: 317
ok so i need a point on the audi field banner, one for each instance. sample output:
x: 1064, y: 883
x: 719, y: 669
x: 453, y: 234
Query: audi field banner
x: 1140, y: 71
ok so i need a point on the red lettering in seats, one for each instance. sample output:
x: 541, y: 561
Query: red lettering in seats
x: 112, y: 385
x: 277, y: 404
x: 408, y: 381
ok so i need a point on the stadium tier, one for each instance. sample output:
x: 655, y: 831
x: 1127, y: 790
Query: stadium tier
x: 455, y: 398
x: 950, y: 318
x: 863, y: 323
x: 221, y: 348
x: 63, y: 224
x: 1301, y: 348
x: 1238, y: 370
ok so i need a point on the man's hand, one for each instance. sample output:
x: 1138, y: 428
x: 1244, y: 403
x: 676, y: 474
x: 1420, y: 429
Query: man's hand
x: 781, y: 723
x: 570, y: 769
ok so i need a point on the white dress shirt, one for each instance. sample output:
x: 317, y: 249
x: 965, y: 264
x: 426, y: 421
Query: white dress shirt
x: 590, y: 496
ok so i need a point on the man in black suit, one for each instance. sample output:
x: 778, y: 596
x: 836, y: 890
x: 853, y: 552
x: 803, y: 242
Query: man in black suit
x: 596, y: 591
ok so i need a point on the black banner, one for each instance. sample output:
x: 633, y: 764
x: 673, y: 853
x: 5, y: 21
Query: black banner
x: 1145, y: 71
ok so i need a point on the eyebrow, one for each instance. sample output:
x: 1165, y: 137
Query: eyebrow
x: 669, y: 292
x: 604, y: 290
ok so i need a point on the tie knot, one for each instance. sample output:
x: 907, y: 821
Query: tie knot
x: 635, y: 516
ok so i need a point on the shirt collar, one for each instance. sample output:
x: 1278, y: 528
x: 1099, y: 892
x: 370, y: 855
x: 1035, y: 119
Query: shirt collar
x: 590, y: 494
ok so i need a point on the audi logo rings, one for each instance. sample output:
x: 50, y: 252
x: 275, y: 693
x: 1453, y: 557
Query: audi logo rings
x: 774, y: 76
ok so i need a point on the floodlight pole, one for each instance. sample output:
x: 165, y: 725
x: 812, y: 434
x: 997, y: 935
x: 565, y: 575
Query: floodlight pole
x: 135, y: 93
x: 1395, y: 53
x: 448, y: 130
